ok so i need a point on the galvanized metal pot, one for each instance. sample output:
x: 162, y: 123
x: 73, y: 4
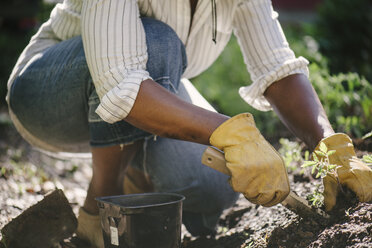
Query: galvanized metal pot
x: 141, y: 220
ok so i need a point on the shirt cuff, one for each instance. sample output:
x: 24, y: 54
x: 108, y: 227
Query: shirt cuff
x: 118, y: 102
x: 253, y: 94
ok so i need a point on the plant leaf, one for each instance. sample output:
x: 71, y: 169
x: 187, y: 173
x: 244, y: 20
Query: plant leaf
x: 308, y: 164
x: 315, y: 157
x: 318, y: 174
x: 332, y: 166
x: 323, y: 147
x: 366, y: 136
x: 314, y: 168
x: 320, y: 153
x: 306, y: 155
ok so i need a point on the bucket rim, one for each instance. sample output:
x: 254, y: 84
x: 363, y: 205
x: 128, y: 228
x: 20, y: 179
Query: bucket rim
x: 103, y: 199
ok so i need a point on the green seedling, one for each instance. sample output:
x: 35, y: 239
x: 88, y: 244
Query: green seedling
x: 316, y: 198
x: 321, y: 162
x: 322, y: 166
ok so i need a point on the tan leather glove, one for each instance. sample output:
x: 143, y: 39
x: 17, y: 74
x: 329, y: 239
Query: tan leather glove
x: 89, y: 228
x: 351, y: 171
x: 256, y: 168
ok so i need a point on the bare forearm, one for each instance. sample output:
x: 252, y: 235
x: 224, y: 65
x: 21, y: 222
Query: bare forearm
x: 163, y: 113
x: 297, y: 105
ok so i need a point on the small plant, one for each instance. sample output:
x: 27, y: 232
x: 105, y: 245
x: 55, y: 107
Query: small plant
x: 321, y: 162
x: 323, y: 167
x: 316, y: 198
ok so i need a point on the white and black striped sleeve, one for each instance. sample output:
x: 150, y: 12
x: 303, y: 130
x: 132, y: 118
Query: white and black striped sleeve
x: 115, y: 49
x: 265, y: 50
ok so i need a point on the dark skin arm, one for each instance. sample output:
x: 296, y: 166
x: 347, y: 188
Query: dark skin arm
x: 296, y: 103
x: 292, y: 98
x: 160, y: 112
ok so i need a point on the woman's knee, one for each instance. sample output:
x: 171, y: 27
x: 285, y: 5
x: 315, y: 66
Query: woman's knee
x: 54, y: 87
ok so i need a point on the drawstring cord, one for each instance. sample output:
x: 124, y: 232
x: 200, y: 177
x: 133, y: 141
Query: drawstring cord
x: 214, y: 21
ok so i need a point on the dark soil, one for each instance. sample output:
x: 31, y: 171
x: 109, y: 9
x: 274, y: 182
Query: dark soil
x: 247, y: 225
x: 26, y: 175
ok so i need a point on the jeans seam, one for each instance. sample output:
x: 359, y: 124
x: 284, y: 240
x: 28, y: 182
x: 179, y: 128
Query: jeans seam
x: 165, y: 81
x: 119, y: 140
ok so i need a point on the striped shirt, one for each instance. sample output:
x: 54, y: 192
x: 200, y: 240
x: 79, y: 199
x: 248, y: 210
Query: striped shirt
x: 115, y: 48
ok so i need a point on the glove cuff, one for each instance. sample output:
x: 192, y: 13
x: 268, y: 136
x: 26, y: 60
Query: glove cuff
x: 230, y: 132
x: 343, y: 147
x: 339, y: 142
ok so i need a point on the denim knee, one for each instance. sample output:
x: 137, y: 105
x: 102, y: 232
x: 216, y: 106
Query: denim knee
x: 167, y: 58
x: 50, y: 97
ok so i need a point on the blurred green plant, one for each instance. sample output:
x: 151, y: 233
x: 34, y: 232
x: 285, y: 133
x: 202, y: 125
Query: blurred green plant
x: 367, y: 159
x: 220, y: 85
x: 367, y: 135
x: 344, y: 33
x: 347, y: 98
x: 291, y: 152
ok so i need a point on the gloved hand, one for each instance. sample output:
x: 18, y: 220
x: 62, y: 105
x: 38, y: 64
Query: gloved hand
x: 351, y: 171
x: 89, y: 228
x: 256, y: 168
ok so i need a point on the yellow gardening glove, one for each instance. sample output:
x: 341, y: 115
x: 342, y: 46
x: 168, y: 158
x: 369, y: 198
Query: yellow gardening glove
x: 89, y: 228
x: 351, y: 171
x: 256, y: 168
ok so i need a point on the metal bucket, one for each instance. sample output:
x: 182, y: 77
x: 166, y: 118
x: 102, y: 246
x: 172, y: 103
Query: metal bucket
x: 141, y: 220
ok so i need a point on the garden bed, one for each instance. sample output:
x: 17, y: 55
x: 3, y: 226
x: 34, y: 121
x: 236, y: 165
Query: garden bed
x: 248, y: 225
x: 27, y: 175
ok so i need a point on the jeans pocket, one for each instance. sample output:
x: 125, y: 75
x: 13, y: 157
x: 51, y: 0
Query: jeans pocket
x: 93, y: 103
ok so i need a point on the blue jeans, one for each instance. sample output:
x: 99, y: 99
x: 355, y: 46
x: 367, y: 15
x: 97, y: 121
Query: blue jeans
x: 55, y: 100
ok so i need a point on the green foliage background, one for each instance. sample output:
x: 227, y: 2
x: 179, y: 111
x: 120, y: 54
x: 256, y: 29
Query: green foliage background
x: 344, y: 32
x: 347, y: 97
x: 220, y: 85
